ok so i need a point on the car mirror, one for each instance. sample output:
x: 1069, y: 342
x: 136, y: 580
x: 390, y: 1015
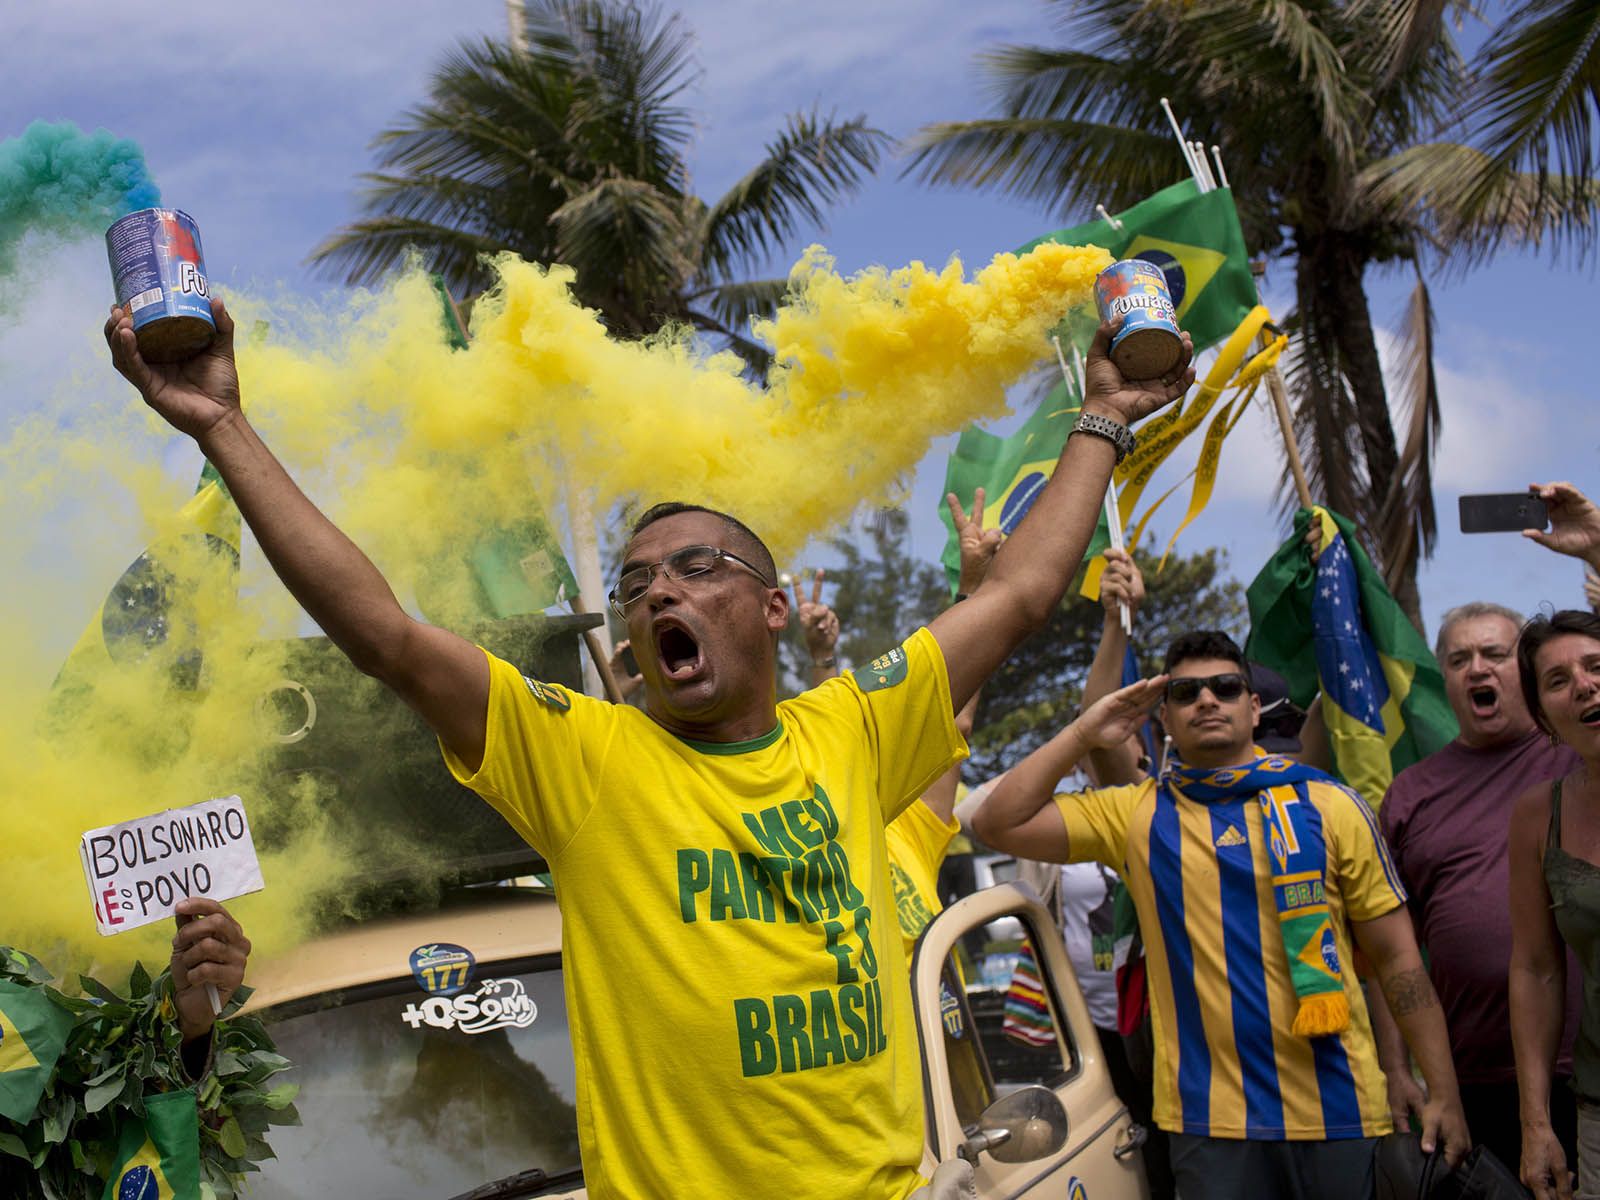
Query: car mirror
x: 1033, y: 1123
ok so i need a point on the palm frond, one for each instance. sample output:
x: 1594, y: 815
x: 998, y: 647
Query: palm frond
x: 623, y: 238
x: 1407, y: 520
x: 1471, y: 205
x: 367, y: 250
x: 735, y: 304
x: 1541, y: 80
x: 815, y: 162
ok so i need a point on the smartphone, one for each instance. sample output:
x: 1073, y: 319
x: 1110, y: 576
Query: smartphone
x: 629, y: 663
x: 1504, y: 512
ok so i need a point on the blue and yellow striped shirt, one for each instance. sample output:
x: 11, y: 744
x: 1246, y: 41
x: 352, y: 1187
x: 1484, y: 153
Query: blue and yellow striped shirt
x: 1220, y: 993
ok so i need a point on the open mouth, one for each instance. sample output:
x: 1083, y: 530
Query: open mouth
x: 1484, y: 700
x: 1590, y: 716
x: 678, y: 650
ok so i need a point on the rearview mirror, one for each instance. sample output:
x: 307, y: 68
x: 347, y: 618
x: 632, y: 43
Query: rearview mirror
x: 1033, y: 1120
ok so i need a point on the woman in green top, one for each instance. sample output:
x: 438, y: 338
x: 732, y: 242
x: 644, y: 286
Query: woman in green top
x: 1555, y: 899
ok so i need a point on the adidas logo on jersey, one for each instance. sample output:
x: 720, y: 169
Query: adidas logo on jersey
x: 1231, y: 838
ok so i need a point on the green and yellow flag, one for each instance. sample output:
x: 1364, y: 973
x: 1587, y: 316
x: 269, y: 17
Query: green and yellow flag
x: 1194, y: 237
x: 158, y: 1158
x: 1332, y: 625
x: 32, y: 1033
x: 1012, y: 471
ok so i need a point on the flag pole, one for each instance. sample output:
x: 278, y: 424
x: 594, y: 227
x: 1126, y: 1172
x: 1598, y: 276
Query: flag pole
x: 1113, y: 515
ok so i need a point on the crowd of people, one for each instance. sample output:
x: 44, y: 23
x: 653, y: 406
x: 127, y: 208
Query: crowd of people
x: 779, y: 858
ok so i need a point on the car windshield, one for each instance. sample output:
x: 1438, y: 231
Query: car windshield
x: 404, y: 1095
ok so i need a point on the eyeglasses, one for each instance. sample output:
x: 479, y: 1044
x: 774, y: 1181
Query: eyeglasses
x: 692, y: 562
x: 1187, y: 689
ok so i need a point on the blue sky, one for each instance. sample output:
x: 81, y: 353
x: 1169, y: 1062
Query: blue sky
x: 256, y: 119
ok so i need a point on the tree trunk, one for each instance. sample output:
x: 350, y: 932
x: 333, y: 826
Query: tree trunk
x: 1343, y: 387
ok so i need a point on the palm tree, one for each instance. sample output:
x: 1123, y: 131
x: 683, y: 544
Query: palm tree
x: 573, y: 149
x: 1311, y: 102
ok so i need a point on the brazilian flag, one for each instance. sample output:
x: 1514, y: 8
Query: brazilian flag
x: 1332, y: 625
x: 1012, y: 471
x: 1194, y: 237
x: 158, y: 1158
x: 32, y: 1033
x: 151, y: 606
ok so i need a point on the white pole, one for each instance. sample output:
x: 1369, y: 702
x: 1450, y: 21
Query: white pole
x: 1109, y: 219
x: 1222, y: 175
x: 1183, y: 142
x: 1113, y: 514
x: 517, y: 24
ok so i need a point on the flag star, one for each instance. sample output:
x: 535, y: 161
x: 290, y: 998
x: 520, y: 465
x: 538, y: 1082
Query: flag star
x: 1348, y: 626
x: 1355, y: 684
x: 1344, y: 668
x: 1327, y: 592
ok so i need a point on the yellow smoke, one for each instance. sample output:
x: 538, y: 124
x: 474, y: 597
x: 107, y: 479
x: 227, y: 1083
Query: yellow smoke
x: 413, y: 448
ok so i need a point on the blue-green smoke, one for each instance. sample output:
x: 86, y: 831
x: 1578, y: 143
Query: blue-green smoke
x: 56, y: 179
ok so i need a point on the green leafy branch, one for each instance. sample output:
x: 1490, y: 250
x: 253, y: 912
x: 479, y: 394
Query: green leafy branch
x: 122, y: 1047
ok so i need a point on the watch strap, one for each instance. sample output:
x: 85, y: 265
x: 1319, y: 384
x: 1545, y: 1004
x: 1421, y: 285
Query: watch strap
x: 1118, y: 434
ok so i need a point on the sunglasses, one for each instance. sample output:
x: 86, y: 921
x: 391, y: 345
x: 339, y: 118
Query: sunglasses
x: 1187, y: 689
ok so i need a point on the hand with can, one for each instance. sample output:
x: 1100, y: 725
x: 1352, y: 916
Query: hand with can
x: 1109, y: 393
x: 193, y: 395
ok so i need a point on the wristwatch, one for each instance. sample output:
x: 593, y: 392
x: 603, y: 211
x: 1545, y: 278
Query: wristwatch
x: 1104, y: 427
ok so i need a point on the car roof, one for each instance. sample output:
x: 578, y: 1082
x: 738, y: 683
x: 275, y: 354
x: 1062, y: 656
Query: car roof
x: 493, y: 923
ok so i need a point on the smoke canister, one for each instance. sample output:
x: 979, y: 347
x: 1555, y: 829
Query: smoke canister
x: 160, y: 277
x: 1148, y: 345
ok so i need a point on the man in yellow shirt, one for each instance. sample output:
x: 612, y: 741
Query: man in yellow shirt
x: 1248, y: 872
x: 736, y: 991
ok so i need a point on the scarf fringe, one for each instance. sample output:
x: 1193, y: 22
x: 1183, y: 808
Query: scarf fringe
x: 1322, y: 1014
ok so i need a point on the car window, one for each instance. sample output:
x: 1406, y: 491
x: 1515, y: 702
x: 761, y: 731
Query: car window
x: 988, y: 1055
x: 403, y: 1094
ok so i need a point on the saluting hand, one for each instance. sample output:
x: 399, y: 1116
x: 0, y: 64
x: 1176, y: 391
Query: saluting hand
x: 192, y: 395
x: 1112, y: 720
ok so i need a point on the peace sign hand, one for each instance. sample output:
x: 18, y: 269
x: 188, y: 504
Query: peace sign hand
x: 819, y: 624
x: 978, y: 545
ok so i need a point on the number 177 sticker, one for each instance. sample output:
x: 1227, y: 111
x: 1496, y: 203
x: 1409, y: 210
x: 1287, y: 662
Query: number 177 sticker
x: 442, y: 968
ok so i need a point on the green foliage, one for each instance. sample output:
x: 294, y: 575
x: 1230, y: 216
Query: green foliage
x: 881, y: 593
x: 1036, y: 691
x: 124, y: 1046
x: 574, y: 149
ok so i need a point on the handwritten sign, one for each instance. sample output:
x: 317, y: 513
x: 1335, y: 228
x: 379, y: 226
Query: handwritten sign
x: 138, y: 870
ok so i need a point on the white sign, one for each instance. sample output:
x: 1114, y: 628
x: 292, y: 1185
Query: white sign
x: 139, y: 870
x: 497, y: 1004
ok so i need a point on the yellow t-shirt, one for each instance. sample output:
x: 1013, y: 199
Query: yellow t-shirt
x: 918, y: 841
x: 740, y: 1015
x: 1221, y: 998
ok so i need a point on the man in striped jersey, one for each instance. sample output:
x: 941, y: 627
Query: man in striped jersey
x: 1249, y: 873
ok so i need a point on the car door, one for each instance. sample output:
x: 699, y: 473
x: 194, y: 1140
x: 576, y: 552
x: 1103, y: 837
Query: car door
x: 1036, y: 1114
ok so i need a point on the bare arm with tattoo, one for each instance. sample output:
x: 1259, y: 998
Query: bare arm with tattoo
x: 1390, y: 943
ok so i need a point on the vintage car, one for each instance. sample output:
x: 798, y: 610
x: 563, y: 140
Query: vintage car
x: 435, y: 1062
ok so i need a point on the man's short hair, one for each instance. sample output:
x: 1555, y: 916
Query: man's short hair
x: 1206, y: 643
x: 750, y: 544
x: 1534, y: 635
x: 1467, y: 612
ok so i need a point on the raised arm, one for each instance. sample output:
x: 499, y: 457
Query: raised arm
x: 1538, y: 990
x: 1016, y: 816
x: 1122, y: 584
x: 1038, y: 560
x: 443, y: 677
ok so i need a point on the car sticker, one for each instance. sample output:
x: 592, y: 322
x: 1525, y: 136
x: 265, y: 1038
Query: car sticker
x: 950, y: 1011
x: 497, y: 1004
x: 442, y: 968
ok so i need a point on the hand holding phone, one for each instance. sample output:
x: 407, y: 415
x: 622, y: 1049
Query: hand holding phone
x: 1503, y: 512
x: 1574, y: 522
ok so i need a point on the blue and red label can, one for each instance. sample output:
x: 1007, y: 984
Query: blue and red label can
x: 1148, y: 345
x: 160, y: 277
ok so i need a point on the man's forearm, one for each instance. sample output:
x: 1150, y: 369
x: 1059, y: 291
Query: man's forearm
x: 1414, y: 1005
x: 323, y: 569
x: 1026, y: 789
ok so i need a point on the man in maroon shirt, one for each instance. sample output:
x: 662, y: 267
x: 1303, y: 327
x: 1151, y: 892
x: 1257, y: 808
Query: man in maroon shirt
x: 1446, y: 820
